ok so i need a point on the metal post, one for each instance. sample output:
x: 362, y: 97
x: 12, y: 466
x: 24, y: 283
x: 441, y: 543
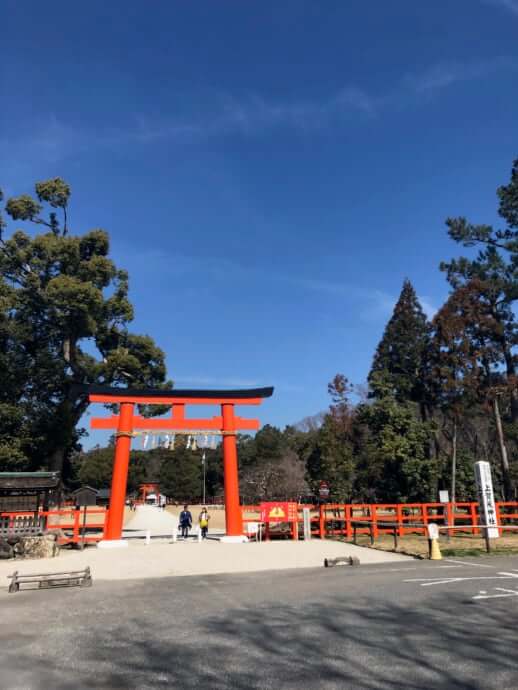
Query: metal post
x: 203, y: 461
x: 84, y: 528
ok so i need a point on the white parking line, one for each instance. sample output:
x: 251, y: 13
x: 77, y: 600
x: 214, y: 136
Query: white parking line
x: 478, y: 565
x: 430, y: 581
x: 507, y: 593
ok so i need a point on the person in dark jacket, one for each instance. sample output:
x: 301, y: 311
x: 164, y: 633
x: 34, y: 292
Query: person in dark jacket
x: 185, y: 521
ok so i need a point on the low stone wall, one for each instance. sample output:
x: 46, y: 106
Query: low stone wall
x: 44, y: 546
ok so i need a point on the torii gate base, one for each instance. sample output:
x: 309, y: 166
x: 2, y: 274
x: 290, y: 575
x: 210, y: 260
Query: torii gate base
x: 126, y: 423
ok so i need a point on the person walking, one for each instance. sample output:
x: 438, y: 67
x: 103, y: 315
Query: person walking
x: 185, y: 521
x: 203, y: 521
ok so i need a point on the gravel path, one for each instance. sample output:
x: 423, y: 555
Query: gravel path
x: 149, y: 518
x: 164, y: 559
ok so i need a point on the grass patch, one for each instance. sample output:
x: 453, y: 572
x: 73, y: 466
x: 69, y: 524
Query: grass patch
x: 465, y: 545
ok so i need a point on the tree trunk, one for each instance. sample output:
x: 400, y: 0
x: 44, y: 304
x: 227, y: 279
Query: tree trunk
x: 57, y: 459
x: 508, y: 488
x: 453, y: 461
x: 68, y: 414
x: 511, y: 374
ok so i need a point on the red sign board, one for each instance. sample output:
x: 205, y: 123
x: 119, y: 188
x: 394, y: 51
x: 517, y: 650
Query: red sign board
x: 275, y: 511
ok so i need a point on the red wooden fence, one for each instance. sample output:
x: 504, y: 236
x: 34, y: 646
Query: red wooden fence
x: 330, y: 519
x: 69, y: 521
x: 336, y: 519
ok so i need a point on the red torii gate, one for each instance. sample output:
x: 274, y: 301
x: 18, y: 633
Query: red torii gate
x: 127, y: 422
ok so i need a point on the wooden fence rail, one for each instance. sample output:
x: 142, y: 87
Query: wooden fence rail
x: 330, y: 519
x: 69, y: 522
x: 342, y: 519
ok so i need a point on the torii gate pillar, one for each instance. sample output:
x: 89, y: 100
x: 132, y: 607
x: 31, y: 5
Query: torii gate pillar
x: 120, y: 473
x: 234, y: 518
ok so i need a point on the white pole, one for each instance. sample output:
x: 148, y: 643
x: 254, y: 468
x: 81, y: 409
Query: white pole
x: 203, y: 465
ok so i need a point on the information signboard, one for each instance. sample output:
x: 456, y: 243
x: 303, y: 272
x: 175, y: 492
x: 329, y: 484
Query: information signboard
x: 486, y: 498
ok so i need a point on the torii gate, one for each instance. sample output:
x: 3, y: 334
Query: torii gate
x: 127, y: 422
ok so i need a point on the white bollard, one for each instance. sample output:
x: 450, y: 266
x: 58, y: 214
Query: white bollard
x: 199, y: 534
x: 148, y: 538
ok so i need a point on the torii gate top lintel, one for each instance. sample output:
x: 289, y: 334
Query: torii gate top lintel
x: 126, y: 422
x: 157, y: 396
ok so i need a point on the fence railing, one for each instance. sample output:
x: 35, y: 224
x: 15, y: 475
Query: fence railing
x: 68, y: 521
x: 342, y: 519
x: 330, y: 519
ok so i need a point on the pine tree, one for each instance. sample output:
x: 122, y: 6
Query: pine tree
x: 400, y: 360
x: 495, y: 268
x: 64, y: 322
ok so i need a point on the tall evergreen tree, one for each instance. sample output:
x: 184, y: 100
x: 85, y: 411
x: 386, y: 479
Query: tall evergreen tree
x: 64, y: 322
x: 495, y: 270
x: 331, y: 458
x: 394, y: 463
x: 400, y: 359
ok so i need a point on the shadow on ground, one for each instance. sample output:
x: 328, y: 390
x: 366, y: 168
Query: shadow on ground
x: 146, y: 639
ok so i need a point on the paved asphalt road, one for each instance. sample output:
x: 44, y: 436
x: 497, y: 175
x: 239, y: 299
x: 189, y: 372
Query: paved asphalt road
x: 412, y: 625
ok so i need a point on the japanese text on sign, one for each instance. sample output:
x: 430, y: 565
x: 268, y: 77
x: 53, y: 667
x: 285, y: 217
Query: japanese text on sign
x: 486, y: 498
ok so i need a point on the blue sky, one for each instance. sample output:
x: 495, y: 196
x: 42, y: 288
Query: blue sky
x: 269, y: 172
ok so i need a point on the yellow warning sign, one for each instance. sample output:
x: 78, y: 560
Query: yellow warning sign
x: 277, y: 512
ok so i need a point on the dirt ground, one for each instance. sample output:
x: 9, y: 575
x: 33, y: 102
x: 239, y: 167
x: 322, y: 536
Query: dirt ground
x: 460, y: 545
x: 94, y: 517
x: 217, y: 514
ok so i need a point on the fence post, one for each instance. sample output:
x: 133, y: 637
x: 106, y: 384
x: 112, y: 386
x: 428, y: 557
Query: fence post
x: 424, y: 517
x: 76, y: 525
x: 498, y: 518
x: 449, y: 520
x: 295, y: 529
x: 473, y: 515
x: 374, y: 520
x: 322, y: 522
x: 347, y: 523
x: 399, y: 519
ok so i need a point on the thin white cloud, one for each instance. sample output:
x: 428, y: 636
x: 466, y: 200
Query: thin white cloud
x: 428, y: 307
x: 186, y: 380
x: 448, y: 73
x: 53, y: 139
x: 373, y: 304
x: 377, y: 305
x: 253, y: 114
x: 509, y: 5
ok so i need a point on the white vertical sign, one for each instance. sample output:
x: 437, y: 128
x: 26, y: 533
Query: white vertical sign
x: 307, y: 524
x: 486, y: 498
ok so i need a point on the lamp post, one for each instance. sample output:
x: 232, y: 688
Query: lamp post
x: 203, y: 474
